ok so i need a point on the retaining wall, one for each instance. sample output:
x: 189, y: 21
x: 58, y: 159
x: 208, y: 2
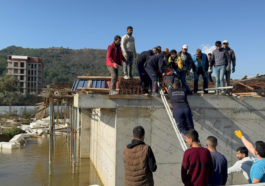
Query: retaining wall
x: 103, y: 136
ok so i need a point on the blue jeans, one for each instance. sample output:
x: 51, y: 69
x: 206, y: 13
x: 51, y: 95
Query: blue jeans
x: 185, y: 85
x: 219, y: 75
x: 183, y: 118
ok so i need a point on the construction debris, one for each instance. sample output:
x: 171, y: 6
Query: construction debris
x: 130, y: 86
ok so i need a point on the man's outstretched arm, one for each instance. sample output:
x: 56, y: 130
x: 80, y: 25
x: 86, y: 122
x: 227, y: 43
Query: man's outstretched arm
x: 247, y: 144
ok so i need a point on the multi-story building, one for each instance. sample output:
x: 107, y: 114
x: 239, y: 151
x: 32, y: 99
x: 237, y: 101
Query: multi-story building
x: 28, y: 70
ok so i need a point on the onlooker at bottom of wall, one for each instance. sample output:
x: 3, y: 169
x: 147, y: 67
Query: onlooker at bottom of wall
x: 139, y: 161
x: 243, y: 164
x: 257, y: 172
x: 219, y: 176
x: 197, y: 164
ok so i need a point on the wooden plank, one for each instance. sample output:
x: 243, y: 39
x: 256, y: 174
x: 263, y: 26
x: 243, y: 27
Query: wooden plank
x: 94, y: 77
x: 128, y: 97
x: 247, y: 93
x: 95, y: 89
x: 248, y: 87
x: 61, y: 90
x: 107, y: 111
x: 99, y: 77
x: 89, y: 84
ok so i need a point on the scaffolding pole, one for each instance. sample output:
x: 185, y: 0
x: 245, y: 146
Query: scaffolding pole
x: 74, y: 132
x: 51, y: 135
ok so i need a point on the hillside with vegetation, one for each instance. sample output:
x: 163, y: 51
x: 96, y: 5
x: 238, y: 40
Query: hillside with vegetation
x: 63, y: 65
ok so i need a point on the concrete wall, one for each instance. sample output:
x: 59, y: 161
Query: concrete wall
x: 98, y: 142
x: 217, y: 116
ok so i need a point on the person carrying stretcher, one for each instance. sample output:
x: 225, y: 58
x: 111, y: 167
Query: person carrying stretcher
x: 172, y: 70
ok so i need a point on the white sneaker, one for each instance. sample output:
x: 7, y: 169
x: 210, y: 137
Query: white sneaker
x: 126, y: 77
x: 114, y: 92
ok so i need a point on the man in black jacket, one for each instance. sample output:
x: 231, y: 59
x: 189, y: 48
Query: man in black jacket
x: 141, y: 62
x: 153, y: 64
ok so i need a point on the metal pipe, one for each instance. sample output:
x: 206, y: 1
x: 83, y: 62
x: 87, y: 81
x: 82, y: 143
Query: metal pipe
x: 50, y: 134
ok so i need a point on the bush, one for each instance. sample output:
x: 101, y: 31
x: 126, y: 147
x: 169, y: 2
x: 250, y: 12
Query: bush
x: 11, y: 132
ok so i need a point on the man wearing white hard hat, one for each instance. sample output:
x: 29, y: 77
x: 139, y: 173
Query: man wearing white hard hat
x: 233, y: 60
x: 187, y: 65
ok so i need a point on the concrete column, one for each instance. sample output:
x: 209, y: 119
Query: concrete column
x: 85, y: 133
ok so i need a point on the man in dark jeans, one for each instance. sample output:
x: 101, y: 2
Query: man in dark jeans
x: 232, y: 55
x: 141, y: 62
x: 219, y: 176
x: 200, y: 67
x: 153, y: 64
x: 139, y: 161
x: 113, y: 59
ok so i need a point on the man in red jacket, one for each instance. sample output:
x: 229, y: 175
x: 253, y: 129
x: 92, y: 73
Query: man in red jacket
x: 197, y: 164
x: 113, y: 59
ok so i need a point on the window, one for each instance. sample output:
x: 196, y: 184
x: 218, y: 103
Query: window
x: 15, y: 71
x: 21, y: 71
x: 28, y: 72
x: 15, y: 64
x: 31, y: 78
x: 21, y: 64
x: 21, y: 84
x: 22, y: 78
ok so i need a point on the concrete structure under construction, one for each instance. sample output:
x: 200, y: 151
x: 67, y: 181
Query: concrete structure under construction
x: 28, y: 70
x: 107, y: 123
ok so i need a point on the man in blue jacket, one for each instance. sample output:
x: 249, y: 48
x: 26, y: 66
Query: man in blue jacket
x: 153, y: 64
x: 141, y: 62
x: 200, y: 67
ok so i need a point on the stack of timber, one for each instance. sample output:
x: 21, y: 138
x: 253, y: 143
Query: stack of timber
x: 254, y: 86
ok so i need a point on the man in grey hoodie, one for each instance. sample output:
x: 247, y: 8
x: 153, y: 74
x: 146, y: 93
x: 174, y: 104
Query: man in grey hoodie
x: 233, y: 59
x: 222, y: 63
x: 129, y: 52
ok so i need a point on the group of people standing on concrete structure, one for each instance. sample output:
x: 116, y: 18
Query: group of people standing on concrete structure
x: 154, y: 65
x: 200, y: 166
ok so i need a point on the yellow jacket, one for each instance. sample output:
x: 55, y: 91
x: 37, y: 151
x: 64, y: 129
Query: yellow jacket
x: 177, y: 62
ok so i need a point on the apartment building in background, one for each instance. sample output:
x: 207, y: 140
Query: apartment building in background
x: 28, y: 70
